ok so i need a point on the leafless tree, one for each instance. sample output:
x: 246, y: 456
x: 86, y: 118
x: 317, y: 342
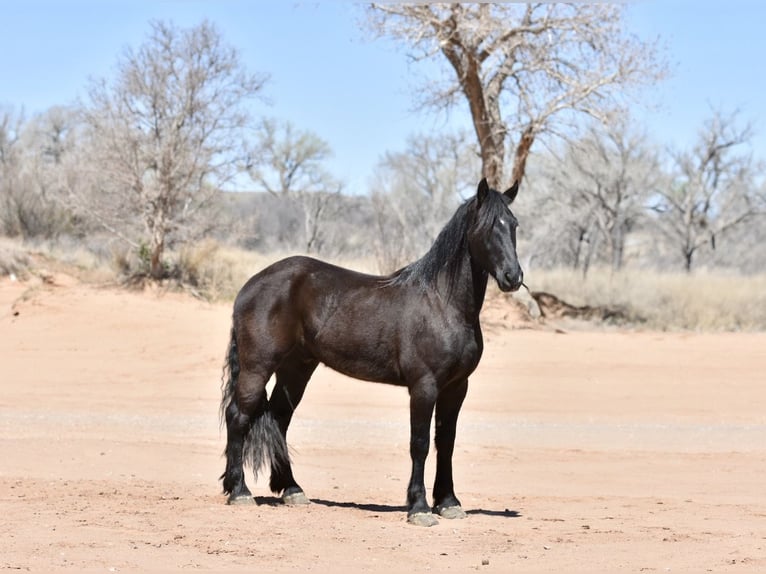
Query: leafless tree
x: 166, y: 133
x: 415, y: 191
x: 10, y: 170
x: 290, y: 163
x: 52, y: 139
x: 565, y: 232
x: 744, y: 249
x: 713, y: 189
x: 606, y: 178
x: 11, y: 123
x: 30, y: 175
x: 526, y: 69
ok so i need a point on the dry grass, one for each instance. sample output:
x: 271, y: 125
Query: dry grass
x: 215, y: 271
x: 14, y: 260
x: 701, y: 301
x: 42, y: 259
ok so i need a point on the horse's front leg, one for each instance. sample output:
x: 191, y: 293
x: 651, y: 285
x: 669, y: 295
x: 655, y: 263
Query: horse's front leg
x: 448, y: 406
x: 422, y: 400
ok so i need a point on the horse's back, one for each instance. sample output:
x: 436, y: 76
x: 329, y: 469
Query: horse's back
x: 288, y: 277
x: 295, y: 293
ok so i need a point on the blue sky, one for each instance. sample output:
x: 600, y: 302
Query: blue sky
x: 356, y: 93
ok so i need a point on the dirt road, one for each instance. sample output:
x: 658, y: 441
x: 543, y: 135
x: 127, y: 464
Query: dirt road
x: 585, y: 451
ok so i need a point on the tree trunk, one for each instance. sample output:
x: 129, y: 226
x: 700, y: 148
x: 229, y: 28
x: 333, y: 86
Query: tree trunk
x: 578, y: 249
x: 618, y: 255
x: 157, y: 250
x: 491, y: 143
x: 484, y: 108
x: 617, y: 246
x: 522, y: 153
x: 688, y: 255
x: 157, y: 232
x: 491, y: 165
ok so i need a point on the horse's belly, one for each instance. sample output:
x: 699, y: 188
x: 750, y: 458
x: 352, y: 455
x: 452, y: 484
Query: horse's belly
x: 362, y: 364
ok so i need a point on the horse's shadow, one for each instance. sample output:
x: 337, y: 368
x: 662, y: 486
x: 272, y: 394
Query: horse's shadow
x: 383, y: 508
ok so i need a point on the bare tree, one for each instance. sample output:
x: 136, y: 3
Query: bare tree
x: 290, y: 163
x: 415, y: 191
x: 607, y: 177
x: 565, y: 232
x: 713, y: 190
x: 166, y: 133
x: 11, y: 123
x: 744, y: 248
x: 10, y: 171
x: 53, y: 161
x: 30, y: 174
x: 526, y: 69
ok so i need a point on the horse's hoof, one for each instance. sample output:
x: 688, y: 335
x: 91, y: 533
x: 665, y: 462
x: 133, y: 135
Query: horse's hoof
x: 422, y: 519
x: 451, y: 512
x: 295, y: 499
x: 242, y: 499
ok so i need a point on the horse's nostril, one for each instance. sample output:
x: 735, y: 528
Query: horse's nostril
x: 518, y: 279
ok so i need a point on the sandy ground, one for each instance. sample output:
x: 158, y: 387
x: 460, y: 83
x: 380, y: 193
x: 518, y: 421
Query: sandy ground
x: 583, y: 451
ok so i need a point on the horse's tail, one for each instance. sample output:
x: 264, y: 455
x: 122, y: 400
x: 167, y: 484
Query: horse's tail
x: 264, y: 443
x: 229, y: 377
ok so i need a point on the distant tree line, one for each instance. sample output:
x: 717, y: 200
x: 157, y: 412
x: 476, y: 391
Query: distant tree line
x: 613, y: 197
x: 143, y: 162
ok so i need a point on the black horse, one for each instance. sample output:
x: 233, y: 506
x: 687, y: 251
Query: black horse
x: 418, y: 328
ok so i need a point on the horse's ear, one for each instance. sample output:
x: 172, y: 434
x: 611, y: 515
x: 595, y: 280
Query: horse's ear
x: 510, y: 193
x: 482, y: 192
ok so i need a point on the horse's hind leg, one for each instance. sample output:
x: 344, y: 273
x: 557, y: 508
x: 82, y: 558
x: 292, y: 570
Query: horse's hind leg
x: 237, y: 426
x: 292, y: 377
x: 448, y: 406
x: 247, y: 405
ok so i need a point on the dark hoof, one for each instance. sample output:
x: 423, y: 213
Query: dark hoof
x: 451, y: 512
x: 295, y: 499
x: 243, y: 499
x: 422, y: 519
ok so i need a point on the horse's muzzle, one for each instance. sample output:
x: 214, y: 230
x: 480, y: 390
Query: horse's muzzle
x: 509, y: 282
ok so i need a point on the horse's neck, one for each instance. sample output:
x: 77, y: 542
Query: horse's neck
x: 467, y: 292
x: 479, y: 279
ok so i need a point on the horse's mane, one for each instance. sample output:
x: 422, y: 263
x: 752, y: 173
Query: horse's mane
x: 451, y: 244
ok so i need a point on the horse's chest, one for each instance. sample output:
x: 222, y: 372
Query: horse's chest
x: 458, y: 352
x: 469, y: 358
